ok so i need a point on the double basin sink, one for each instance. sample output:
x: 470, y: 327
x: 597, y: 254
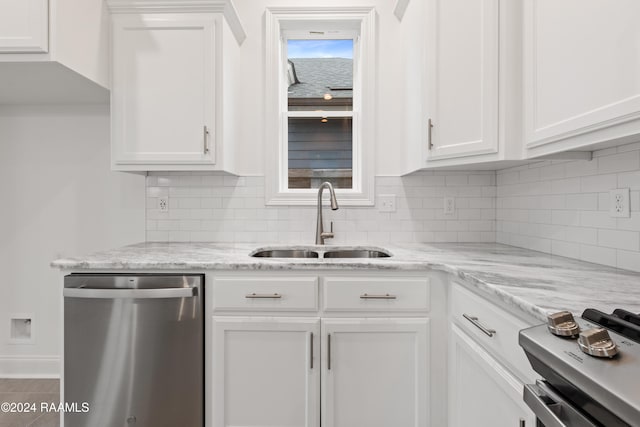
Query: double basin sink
x: 328, y: 252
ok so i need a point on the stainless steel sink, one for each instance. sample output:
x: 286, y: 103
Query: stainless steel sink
x: 356, y: 253
x: 320, y: 252
x: 285, y: 253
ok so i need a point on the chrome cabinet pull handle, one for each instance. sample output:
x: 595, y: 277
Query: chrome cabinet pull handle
x: 328, y: 352
x: 263, y: 296
x: 205, y: 139
x: 477, y: 324
x: 311, y: 350
x: 385, y: 296
x: 430, y: 140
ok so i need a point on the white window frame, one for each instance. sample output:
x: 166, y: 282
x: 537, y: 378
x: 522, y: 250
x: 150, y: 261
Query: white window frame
x: 282, y: 23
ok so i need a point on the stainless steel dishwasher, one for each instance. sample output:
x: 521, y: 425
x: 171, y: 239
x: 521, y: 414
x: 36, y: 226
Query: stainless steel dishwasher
x: 134, y: 350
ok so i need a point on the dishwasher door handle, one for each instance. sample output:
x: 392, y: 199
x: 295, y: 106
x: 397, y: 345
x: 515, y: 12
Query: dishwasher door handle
x: 130, y: 293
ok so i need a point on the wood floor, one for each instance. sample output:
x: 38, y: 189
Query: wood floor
x: 30, y: 391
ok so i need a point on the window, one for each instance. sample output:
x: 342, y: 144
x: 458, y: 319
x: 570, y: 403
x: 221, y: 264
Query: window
x: 320, y: 109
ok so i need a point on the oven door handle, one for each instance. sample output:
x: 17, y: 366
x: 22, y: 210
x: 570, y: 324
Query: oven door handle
x: 551, y: 409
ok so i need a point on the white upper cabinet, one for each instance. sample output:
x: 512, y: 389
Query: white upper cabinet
x: 463, y: 62
x: 472, y: 84
x: 167, y: 99
x: 54, y: 51
x: 24, y: 26
x: 164, y: 89
x: 581, y: 73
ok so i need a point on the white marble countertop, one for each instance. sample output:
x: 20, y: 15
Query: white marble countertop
x: 534, y: 282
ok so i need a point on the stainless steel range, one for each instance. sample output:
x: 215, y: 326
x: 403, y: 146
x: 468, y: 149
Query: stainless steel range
x: 590, y: 366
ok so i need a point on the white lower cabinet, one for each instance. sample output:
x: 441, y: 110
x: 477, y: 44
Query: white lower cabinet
x: 278, y: 359
x: 482, y: 392
x: 266, y: 372
x: 362, y: 351
x: 375, y: 372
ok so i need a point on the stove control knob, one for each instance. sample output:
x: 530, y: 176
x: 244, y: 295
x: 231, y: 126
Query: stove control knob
x: 597, y: 342
x: 563, y: 324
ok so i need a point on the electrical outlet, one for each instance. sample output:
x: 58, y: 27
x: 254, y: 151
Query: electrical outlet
x: 619, y: 203
x: 387, y: 203
x: 449, y: 205
x: 163, y: 204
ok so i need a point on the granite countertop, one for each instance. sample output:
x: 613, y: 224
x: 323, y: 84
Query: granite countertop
x: 534, y: 282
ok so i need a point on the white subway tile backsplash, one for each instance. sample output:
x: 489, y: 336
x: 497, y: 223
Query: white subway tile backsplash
x: 554, y: 201
x: 629, y: 161
x: 157, y: 191
x: 635, y: 201
x: 629, y: 180
x: 587, y: 201
x: 583, y: 235
x: 597, y: 219
x: 567, y: 185
x: 619, y: 239
x: 454, y: 180
x: 598, y: 255
x: 540, y: 216
x: 208, y: 206
x: 632, y: 223
x: 553, y: 171
x: 568, y: 208
x: 481, y: 179
x: 557, y: 207
x: 530, y: 175
x: 629, y: 260
x: 581, y: 168
x: 589, y: 184
x: 567, y: 249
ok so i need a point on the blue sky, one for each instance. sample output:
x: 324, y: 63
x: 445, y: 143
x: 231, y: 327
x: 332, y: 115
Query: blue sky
x: 320, y: 48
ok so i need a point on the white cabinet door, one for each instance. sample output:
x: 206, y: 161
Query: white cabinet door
x: 481, y: 392
x: 24, y: 26
x: 375, y: 372
x: 462, y: 64
x: 581, y: 72
x: 163, y: 89
x: 265, y: 372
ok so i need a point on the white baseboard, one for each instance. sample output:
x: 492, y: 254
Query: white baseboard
x: 29, y: 366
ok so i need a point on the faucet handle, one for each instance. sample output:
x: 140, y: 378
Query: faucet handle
x: 328, y: 235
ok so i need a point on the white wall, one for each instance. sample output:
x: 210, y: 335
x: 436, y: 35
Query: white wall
x: 563, y: 207
x: 398, y: 78
x: 57, y: 197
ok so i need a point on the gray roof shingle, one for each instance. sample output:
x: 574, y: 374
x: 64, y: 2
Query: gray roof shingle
x: 316, y: 75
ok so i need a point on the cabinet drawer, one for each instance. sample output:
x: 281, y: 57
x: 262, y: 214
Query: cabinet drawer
x: 479, y: 318
x: 265, y: 294
x: 376, y: 294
